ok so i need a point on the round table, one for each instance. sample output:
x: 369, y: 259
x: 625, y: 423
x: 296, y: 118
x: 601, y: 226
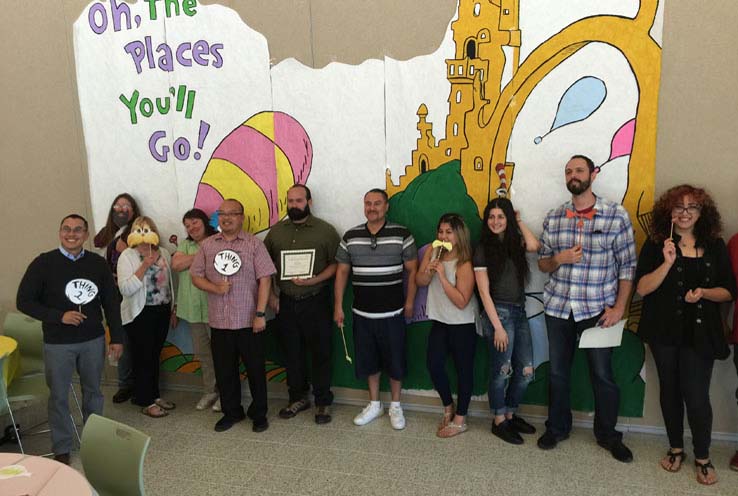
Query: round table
x: 41, y: 477
x: 9, y: 347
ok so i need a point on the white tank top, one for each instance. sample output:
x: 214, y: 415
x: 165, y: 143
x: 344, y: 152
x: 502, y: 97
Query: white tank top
x: 440, y: 308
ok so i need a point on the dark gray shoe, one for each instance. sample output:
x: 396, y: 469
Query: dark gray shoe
x: 323, y: 415
x: 294, y: 408
x: 506, y: 432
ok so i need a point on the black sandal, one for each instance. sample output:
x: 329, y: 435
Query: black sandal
x: 672, y: 460
x: 703, y: 470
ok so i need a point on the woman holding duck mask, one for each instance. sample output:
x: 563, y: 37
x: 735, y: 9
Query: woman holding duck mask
x: 145, y: 281
x: 446, y: 269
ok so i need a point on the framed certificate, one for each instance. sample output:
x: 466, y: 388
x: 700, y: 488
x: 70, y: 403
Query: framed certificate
x: 297, y: 263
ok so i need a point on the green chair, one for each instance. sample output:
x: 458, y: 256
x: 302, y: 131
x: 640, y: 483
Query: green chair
x: 29, y: 335
x: 27, y: 332
x: 30, y: 389
x: 112, y: 457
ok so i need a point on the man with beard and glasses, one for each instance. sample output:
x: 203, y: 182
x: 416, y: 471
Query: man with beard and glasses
x: 588, y: 248
x: 301, y: 301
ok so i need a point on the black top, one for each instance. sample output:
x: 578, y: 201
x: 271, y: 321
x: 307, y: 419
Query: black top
x: 666, y: 318
x: 506, y: 289
x: 41, y: 295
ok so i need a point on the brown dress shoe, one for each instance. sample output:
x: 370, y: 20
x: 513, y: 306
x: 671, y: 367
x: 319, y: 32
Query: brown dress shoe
x: 323, y: 415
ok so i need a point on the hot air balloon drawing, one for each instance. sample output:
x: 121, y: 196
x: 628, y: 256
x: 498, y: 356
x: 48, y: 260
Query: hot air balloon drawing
x: 256, y: 164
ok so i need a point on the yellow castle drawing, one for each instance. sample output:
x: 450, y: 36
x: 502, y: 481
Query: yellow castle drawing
x: 482, y: 113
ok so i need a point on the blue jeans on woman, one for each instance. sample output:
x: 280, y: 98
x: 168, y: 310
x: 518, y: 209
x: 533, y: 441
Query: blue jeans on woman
x: 507, y: 378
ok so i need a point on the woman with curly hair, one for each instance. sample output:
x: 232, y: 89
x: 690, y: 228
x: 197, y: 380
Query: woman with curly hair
x: 683, y: 275
x: 501, y: 271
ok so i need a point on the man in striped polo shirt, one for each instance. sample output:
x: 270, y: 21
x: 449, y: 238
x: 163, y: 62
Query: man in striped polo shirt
x: 376, y: 254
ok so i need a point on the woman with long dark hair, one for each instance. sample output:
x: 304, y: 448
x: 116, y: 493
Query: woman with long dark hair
x: 123, y: 211
x: 683, y: 275
x: 501, y: 271
x: 447, y: 271
x: 192, y: 303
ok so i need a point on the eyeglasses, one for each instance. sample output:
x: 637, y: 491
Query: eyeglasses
x: 690, y: 209
x: 76, y: 230
x: 228, y: 214
x: 121, y: 208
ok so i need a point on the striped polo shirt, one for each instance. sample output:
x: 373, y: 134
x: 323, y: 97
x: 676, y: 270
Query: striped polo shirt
x: 377, y: 267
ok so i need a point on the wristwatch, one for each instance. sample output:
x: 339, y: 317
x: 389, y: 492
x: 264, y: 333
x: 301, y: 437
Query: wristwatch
x: 260, y: 314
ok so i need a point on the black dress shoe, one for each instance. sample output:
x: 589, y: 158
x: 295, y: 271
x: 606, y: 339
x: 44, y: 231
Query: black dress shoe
x: 323, y: 415
x: 618, y: 450
x: 62, y: 458
x: 124, y: 394
x: 294, y: 408
x: 260, y: 425
x: 521, y: 426
x: 505, y: 432
x: 226, y: 423
x: 549, y: 440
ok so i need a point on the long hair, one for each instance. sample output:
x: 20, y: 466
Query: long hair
x: 196, y: 213
x: 708, y: 226
x: 463, y: 238
x: 509, y: 246
x: 107, y: 233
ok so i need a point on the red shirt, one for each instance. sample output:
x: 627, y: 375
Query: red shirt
x: 234, y: 310
x: 733, y: 254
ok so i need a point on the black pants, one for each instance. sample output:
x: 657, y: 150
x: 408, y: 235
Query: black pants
x: 306, y: 326
x: 684, y: 379
x: 146, y: 334
x: 227, y: 346
x: 460, y: 341
x: 562, y: 344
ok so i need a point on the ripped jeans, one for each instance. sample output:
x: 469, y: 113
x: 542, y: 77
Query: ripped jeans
x: 507, y: 378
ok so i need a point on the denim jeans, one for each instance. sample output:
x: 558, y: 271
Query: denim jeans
x: 562, y: 342
x: 61, y: 360
x: 506, y: 368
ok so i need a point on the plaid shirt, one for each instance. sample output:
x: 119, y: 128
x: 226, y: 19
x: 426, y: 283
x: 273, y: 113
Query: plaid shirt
x: 608, y: 255
x: 234, y: 310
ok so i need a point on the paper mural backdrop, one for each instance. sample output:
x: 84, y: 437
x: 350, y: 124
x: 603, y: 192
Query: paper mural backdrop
x: 181, y: 107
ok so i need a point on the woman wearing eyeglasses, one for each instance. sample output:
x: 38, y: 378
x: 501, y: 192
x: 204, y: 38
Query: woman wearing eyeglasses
x: 112, y: 237
x: 683, y: 275
x: 447, y: 271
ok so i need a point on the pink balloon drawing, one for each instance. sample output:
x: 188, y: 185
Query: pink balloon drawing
x: 622, y: 141
x: 256, y: 164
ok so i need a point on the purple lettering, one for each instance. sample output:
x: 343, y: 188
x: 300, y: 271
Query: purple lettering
x: 119, y: 10
x: 165, y: 60
x: 215, y: 52
x: 92, y: 20
x: 180, y: 55
x: 137, y: 51
x: 153, y: 141
x: 198, y: 50
x: 181, y: 148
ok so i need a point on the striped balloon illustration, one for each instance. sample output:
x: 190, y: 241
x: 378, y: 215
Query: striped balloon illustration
x: 256, y: 164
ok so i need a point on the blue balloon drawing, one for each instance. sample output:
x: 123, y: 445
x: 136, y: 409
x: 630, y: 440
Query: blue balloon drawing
x: 580, y: 100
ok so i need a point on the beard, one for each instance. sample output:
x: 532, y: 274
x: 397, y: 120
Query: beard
x: 577, y: 188
x: 295, y: 214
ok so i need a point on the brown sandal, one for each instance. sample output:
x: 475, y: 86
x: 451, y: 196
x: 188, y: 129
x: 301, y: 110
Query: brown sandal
x: 164, y: 404
x: 154, y: 411
x: 671, y: 458
x: 703, y: 472
x: 451, y: 430
x: 446, y: 419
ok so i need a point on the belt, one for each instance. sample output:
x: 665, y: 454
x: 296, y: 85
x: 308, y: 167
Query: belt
x: 304, y: 296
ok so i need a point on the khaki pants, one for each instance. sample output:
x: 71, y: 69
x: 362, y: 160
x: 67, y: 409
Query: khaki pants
x: 201, y: 347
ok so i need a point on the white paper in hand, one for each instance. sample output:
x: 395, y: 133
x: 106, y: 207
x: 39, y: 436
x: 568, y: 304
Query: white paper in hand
x: 602, y: 337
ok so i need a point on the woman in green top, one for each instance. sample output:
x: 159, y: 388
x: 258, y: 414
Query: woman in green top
x: 192, y: 303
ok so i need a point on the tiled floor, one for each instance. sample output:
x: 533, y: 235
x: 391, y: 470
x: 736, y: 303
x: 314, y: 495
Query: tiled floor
x: 299, y: 457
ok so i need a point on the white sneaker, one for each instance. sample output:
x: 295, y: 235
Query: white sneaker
x: 206, y: 401
x: 368, y: 414
x: 397, y: 419
x: 216, y: 406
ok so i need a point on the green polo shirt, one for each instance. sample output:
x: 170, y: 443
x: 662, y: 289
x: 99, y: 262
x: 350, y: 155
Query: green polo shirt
x: 315, y: 234
x: 192, y: 303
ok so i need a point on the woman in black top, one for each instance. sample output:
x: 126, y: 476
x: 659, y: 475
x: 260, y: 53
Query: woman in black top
x: 683, y: 275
